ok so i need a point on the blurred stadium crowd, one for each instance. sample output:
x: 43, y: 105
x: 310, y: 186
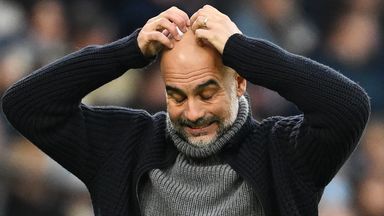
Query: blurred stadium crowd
x: 344, y: 34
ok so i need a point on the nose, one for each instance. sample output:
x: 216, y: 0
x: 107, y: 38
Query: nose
x: 193, y: 111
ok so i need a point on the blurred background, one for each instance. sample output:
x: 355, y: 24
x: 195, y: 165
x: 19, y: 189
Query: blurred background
x: 344, y: 34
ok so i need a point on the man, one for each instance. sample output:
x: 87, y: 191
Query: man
x: 206, y: 155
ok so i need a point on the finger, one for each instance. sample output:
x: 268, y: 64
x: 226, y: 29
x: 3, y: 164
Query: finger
x: 161, y: 38
x: 202, y: 34
x: 183, y: 15
x: 180, y: 22
x: 207, y: 37
x: 204, y: 11
x: 162, y: 23
x: 209, y: 7
x: 179, y: 17
x: 152, y: 19
x: 195, y: 15
x: 166, y: 32
x: 200, y: 22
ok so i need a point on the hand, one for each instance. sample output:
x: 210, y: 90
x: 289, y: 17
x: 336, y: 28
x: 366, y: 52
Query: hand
x: 159, y: 30
x: 212, y: 26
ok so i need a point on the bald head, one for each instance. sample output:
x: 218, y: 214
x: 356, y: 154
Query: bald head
x: 192, y: 61
x: 190, y: 55
x: 202, y: 94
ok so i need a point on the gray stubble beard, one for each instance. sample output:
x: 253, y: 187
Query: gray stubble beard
x: 223, y: 125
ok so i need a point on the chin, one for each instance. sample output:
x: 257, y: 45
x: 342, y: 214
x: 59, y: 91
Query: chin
x: 202, y: 140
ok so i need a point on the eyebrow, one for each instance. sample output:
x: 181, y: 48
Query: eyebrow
x: 174, y: 89
x: 206, y: 84
x: 199, y: 88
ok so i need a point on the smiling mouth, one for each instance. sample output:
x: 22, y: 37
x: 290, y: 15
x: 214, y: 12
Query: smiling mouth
x: 200, y: 127
x: 199, y: 130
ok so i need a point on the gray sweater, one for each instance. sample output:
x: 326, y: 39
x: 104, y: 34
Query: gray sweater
x: 199, y: 183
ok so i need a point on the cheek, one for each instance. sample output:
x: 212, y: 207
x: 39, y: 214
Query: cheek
x: 174, y: 111
x: 220, y: 108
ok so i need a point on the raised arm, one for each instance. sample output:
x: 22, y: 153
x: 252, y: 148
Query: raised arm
x: 46, y: 106
x: 335, y: 108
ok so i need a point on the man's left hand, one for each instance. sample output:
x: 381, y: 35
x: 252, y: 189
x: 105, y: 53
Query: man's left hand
x: 211, y: 25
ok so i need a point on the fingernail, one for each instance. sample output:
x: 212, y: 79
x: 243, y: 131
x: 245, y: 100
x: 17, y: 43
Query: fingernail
x: 179, y: 33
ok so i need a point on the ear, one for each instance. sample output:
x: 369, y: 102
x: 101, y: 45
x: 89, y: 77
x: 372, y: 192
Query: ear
x: 241, y: 85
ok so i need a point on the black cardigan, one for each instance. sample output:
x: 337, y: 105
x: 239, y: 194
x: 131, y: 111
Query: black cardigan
x: 287, y: 160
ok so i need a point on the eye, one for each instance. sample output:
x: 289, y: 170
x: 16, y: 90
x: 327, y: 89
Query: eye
x: 206, y: 95
x: 177, y: 98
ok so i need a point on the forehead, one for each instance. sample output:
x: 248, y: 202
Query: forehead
x: 191, y: 70
x: 184, y: 75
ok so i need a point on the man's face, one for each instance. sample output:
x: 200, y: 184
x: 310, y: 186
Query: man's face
x: 202, y: 97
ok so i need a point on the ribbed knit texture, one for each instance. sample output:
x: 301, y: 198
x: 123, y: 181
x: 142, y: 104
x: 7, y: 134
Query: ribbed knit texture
x: 286, y: 160
x: 199, y: 183
x: 198, y: 187
x: 208, y: 150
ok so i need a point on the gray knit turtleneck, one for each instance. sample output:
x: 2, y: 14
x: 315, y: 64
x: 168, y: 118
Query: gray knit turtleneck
x: 199, y: 183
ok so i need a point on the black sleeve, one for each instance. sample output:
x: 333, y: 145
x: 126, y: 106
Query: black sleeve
x: 335, y: 109
x: 46, y: 106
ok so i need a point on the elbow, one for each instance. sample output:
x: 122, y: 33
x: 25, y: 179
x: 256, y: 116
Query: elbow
x: 14, y: 105
x: 360, y: 106
x: 365, y: 105
x: 6, y: 104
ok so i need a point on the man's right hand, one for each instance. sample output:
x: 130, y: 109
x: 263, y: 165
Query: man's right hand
x: 159, y: 30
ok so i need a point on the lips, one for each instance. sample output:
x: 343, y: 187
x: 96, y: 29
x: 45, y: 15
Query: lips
x: 200, y: 127
x: 200, y: 130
